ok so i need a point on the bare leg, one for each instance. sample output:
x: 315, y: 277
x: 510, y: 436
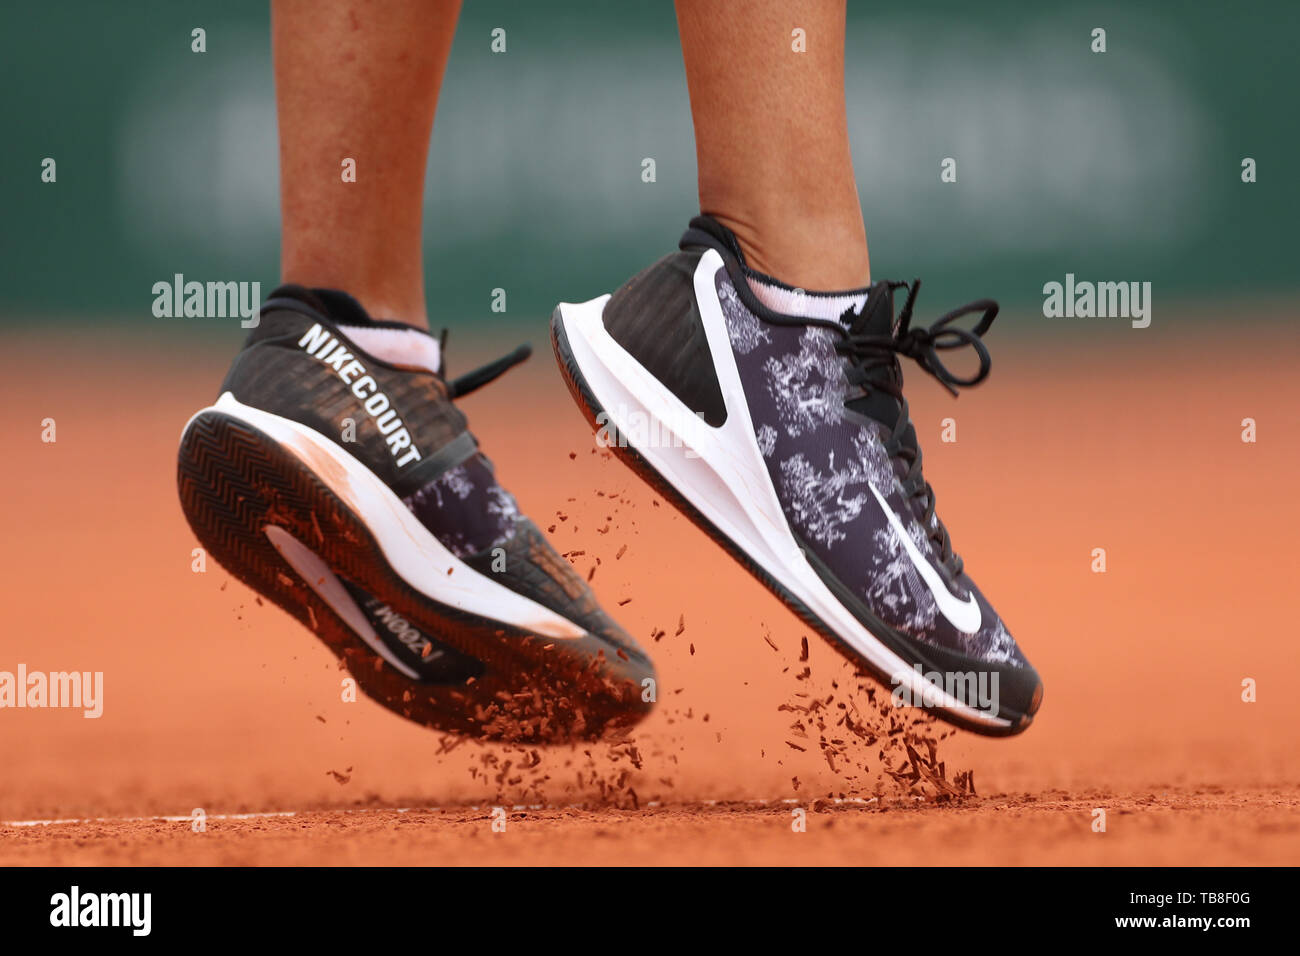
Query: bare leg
x: 771, y: 135
x: 357, y: 80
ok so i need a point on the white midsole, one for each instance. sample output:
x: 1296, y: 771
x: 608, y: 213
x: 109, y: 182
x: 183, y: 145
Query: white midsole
x: 313, y: 570
x: 721, y: 471
x: 410, y: 549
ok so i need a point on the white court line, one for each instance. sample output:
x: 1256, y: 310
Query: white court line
x: 269, y: 814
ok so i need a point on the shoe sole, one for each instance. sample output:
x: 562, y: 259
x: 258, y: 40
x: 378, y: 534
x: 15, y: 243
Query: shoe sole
x: 237, y: 480
x: 867, y: 651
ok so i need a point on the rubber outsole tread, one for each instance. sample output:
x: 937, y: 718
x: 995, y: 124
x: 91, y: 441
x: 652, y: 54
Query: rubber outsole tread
x: 234, y: 481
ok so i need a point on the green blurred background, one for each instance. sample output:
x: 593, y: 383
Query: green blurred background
x: 1119, y: 166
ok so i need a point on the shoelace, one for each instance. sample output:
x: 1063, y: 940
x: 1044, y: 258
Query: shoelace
x: 870, y: 352
x: 476, y: 379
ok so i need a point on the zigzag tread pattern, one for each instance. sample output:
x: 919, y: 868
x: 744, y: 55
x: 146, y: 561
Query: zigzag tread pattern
x: 234, y: 481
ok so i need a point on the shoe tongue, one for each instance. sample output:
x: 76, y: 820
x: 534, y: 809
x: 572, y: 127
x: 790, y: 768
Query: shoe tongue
x: 877, y: 314
x: 877, y: 318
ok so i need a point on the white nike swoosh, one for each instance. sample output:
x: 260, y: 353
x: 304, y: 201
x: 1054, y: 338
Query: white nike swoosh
x: 964, y: 615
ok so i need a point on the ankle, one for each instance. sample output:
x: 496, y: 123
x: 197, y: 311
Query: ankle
x: 390, y: 292
x: 823, y: 253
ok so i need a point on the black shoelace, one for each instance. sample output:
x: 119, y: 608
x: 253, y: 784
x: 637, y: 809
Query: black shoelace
x: 870, y: 355
x: 476, y: 379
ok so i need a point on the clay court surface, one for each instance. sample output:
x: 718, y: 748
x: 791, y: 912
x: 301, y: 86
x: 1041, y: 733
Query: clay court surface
x: 1123, y: 440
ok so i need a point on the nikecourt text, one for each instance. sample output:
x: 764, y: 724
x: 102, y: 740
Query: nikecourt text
x: 318, y: 342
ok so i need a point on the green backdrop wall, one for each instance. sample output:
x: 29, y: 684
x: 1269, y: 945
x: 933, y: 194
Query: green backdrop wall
x: 1122, y: 166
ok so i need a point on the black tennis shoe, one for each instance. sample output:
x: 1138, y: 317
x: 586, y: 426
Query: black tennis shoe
x: 336, y: 476
x: 787, y: 439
